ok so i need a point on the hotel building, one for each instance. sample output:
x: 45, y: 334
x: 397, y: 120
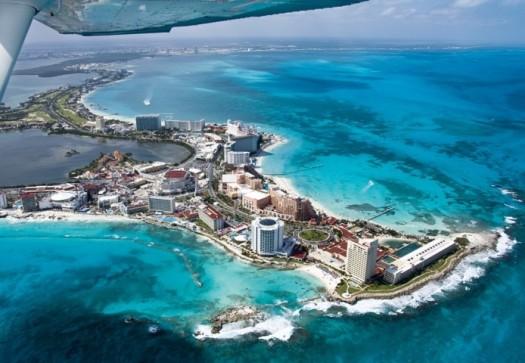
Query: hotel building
x: 361, y: 256
x: 212, y: 218
x: 255, y: 200
x: 237, y: 158
x: 100, y: 124
x: 3, y: 200
x: 68, y: 200
x: 148, y: 123
x: 267, y: 235
x: 185, y: 125
x: 159, y: 203
x: 177, y: 181
x: 293, y: 207
x: 406, y: 266
x: 242, y: 137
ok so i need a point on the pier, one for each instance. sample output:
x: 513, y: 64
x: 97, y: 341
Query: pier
x: 387, y: 210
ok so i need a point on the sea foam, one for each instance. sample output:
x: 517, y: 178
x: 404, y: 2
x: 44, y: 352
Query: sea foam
x: 468, y: 270
x: 275, y: 327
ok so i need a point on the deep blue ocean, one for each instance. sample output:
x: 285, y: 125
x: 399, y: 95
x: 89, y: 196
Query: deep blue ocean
x: 438, y: 134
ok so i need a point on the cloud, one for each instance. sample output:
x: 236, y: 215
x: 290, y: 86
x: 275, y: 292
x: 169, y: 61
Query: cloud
x: 468, y: 3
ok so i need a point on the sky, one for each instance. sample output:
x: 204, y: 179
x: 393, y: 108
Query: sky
x: 422, y: 21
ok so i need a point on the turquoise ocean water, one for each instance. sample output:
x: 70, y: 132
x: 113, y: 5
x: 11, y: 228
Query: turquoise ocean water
x: 439, y: 134
x: 436, y: 134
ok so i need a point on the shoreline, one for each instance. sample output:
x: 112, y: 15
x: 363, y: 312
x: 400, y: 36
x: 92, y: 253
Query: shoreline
x: 15, y: 216
x: 313, y: 269
x: 286, y: 183
x: 100, y: 113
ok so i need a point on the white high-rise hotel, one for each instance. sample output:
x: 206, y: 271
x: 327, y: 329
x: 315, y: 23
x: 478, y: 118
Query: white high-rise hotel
x: 361, y: 258
x: 267, y: 235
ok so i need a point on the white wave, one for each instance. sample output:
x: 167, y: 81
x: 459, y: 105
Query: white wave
x: 511, y: 194
x: 369, y: 185
x: 509, y: 206
x: 510, y: 220
x: 273, y: 328
x: 469, y: 269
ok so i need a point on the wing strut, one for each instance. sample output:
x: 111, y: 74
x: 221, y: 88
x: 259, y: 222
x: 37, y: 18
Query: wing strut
x: 15, y: 20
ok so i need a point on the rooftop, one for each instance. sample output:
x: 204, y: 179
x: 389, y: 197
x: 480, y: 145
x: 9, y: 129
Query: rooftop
x: 212, y: 212
x: 176, y: 174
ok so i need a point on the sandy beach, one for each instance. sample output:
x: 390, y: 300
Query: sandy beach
x: 52, y: 215
x: 285, y: 183
x: 330, y: 282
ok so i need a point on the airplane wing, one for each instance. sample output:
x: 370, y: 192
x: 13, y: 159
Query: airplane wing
x: 108, y: 17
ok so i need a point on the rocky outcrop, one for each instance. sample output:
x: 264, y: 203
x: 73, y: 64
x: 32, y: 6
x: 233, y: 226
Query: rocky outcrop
x: 235, y: 314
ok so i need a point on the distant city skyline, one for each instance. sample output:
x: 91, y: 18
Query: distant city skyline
x: 434, y: 21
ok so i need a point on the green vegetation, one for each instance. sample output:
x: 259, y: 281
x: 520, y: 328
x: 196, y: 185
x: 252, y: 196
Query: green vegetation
x: 462, y: 241
x: 203, y: 226
x: 67, y: 113
x: 344, y: 287
x: 313, y: 235
x: 91, y: 166
x: 437, y: 266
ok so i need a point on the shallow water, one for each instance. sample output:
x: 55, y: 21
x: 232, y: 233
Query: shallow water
x: 430, y: 132
x: 67, y: 288
x: 436, y: 134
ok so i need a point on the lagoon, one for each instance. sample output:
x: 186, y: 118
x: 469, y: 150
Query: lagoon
x: 34, y: 157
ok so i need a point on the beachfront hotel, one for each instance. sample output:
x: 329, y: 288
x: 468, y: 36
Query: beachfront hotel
x: 242, y: 137
x: 185, y: 125
x: 361, y: 258
x: 177, y: 181
x: 408, y: 265
x: 158, y: 203
x: 212, y: 218
x: 237, y: 158
x: 293, y: 207
x: 148, y: 123
x: 267, y: 235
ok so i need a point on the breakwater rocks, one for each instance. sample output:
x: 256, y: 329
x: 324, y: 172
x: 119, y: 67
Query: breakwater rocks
x: 246, y: 314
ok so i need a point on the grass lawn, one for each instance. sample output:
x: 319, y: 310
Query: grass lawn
x: 313, y: 235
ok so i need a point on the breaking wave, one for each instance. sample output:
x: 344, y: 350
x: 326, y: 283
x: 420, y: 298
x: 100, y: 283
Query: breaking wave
x: 468, y: 270
x: 276, y: 327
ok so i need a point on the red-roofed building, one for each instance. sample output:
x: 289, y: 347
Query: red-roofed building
x: 212, y: 217
x: 177, y: 181
x: 176, y: 174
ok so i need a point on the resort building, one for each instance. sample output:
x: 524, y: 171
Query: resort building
x: 177, y: 181
x: 242, y: 137
x: 29, y: 202
x: 148, y: 123
x: 185, y: 125
x: 212, y: 218
x: 361, y: 256
x: 237, y: 158
x: 100, y: 124
x: 106, y: 201
x: 415, y: 261
x: 267, y: 235
x: 68, y: 200
x: 296, y: 208
x: 3, y: 200
x: 150, y: 167
x: 255, y: 200
x: 158, y: 203
x: 133, y: 208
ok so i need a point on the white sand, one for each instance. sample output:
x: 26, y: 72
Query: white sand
x: 327, y: 279
x: 18, y: 216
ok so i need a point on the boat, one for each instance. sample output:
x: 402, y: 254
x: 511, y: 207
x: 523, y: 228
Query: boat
x: 154, y: 329
x: 3, y: 214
